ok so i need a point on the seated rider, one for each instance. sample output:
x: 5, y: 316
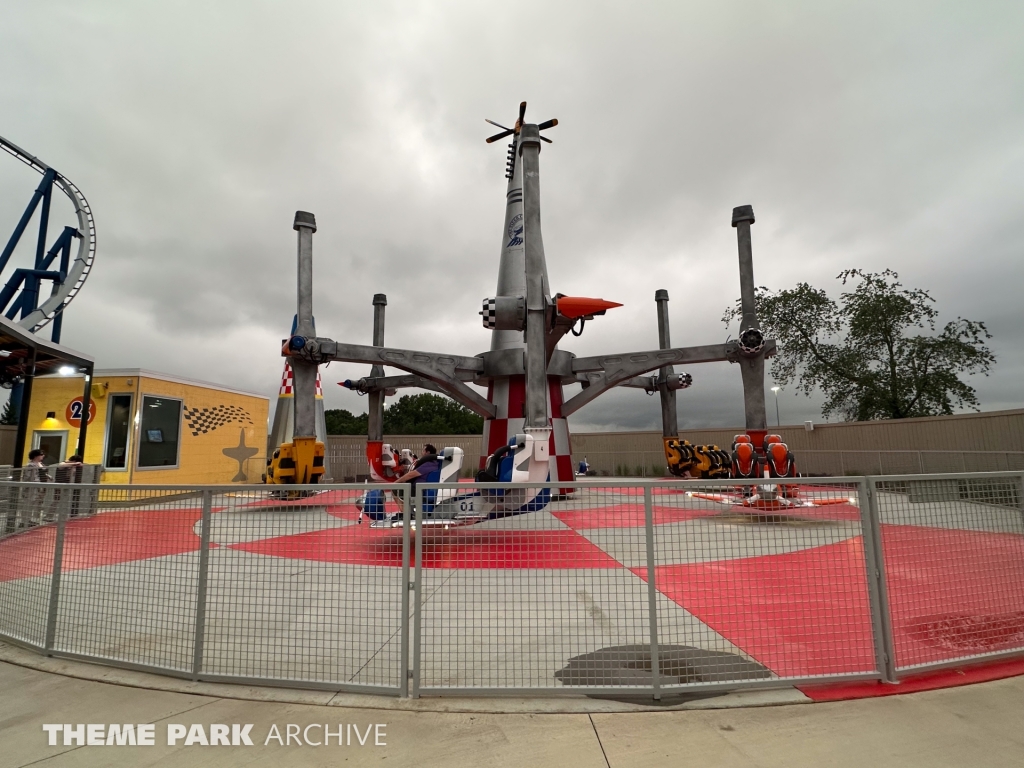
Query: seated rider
x: 424, y: 466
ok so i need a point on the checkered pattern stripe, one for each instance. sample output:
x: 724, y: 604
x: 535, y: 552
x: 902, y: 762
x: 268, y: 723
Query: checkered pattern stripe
x: 288, y: 382
x: 203, y: 420
x: 509, y: 395
x: 489, y: 312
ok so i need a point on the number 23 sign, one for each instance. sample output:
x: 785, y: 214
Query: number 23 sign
x: 73, y: 413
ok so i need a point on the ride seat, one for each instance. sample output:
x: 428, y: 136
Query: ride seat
x: 451, y: 464
x: 430, y: 494
x: 745, y: 461
x: 740, y: 439
x: 498, y: 468
x: 779, y: 460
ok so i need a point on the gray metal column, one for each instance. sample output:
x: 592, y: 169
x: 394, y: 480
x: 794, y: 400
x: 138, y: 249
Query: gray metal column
x: 375, y: 409
x: 405, y: 672
x: 54, y: 603
x: 304, y: 372
x: 669, y: 417
x: 203, y: 580
x: 417, y: 591
x: 652, y: 594
x: 752, y: 367
x: 878, y: 586
x: 536, y: 302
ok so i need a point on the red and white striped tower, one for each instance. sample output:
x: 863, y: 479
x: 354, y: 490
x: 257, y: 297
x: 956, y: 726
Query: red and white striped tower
x: 284, y: 415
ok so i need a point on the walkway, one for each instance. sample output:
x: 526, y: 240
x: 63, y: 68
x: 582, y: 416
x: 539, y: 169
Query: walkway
x: 977, y: 725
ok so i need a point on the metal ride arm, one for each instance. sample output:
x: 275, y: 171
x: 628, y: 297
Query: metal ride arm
x: 446, y: 371
x: 606, y: 371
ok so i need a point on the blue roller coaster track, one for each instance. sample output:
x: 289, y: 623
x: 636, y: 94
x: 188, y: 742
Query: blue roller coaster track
x: 21, y: 295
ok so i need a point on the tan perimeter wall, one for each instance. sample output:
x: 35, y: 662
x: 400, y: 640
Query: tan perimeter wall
x: 966, y: 442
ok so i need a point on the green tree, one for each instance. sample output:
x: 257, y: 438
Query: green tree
x: 428, y: 414
x: 424, y: 414
x: 8, y: 417
x: 342, y: 422
x: 866, y: 352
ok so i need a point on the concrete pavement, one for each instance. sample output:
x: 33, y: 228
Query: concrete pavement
x: 977, y: 725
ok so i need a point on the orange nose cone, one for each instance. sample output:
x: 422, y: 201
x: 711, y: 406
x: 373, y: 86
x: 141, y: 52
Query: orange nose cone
x: 578, y: 306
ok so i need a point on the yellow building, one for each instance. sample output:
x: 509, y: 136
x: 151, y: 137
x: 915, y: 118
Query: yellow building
x: 150, y: 428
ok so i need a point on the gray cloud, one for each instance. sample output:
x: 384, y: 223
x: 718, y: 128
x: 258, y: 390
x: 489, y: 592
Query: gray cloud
x: 866, y: 135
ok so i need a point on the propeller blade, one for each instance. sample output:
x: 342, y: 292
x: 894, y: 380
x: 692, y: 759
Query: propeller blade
x: 498, y: 125
x: 522, y: 112
x: 501, y: 135
x: 547, y: 124
x: 545, y: 138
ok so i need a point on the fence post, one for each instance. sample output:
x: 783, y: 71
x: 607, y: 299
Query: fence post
x: 878, y: 590
x: 58, y: 557
x: 407, y: 585
x: 652, y: 594
x: 199, y: 637
x: 417, y: 594
x: 1020, y: 498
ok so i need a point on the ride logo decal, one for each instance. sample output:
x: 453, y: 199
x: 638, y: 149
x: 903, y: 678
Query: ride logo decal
x: 515, y: 231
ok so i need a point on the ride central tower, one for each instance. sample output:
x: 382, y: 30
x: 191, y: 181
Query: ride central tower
x: 508, y: 340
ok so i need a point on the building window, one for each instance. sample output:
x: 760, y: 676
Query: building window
x: 119, y: 417
x: 158, y: 436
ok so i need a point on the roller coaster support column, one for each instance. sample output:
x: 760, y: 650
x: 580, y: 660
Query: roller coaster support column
x: 536, y: 302
x: 304, y: 371
x: 752, y: 347
x: 375, y: 411
x: 669, y: 417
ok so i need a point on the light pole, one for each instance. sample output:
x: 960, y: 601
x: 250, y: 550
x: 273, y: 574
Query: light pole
x: 778, y: 421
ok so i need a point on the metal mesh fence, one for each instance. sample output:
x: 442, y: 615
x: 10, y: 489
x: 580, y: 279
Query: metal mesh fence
x: 129, y: 573
x: 773, y: 580
x: 26, y: 562
x: 619, y: 588
x: 526, y: 601
x: 953, y: 552
x: 300, y: 589
x: 666, y: 585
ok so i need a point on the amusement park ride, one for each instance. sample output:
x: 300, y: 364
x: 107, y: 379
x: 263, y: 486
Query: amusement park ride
x: 21, y: 298
x: 21, y: 294
x: 525, y: 431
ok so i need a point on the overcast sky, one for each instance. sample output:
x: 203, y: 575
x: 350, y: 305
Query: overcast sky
x: 865, y: 135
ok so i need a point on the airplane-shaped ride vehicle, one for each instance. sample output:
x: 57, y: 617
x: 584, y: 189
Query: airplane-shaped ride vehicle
x: 523, y: 461
x: 776, y: 462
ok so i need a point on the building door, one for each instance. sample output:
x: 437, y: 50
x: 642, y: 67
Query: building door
x: 119, y: 417
x: 53, y: 443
